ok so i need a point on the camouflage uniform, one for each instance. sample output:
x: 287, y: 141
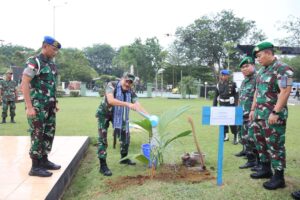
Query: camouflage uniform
x: 104, y: 114
x: 43, y: 72
x: 8, y: 90
x: 224, y: 91
x: 246, y: 95
x: 271, y: 138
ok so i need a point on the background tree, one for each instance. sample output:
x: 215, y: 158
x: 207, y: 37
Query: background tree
x: 292, y: 27
x: 203, y: 41
x: 100, y: 57
x: 74, y: 66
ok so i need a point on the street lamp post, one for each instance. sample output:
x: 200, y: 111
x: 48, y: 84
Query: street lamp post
x: 205, y: 86
x: 54, y: 13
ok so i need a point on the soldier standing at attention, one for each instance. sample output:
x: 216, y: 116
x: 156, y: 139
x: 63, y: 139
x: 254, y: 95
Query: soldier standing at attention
x: 39, y: 89
x: 118, y: 99
x: 246, y: 94
x: 9, y: 95
x: 226, y: 94
x: 269, y: 112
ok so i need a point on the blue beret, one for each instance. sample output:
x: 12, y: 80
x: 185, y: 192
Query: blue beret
x: 50, y: 40
x: 225, y: 72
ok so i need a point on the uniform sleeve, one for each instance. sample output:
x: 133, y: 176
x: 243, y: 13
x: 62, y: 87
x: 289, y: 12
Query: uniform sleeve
x: 285, y: 76
x: 215, y: 101
x: 109, y: 89
x: 236, y: 94
x: 31, y: 68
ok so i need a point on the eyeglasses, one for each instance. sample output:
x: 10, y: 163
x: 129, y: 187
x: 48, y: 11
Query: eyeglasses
x: 129, y: 81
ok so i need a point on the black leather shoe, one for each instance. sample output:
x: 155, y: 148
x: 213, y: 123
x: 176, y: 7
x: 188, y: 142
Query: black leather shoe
x: 247, y: 165
x: 49, y: 165
x: 277, y: 181
x: 38, y: 171
x: 274, y: 184
x: 240, y: 154
x: 261, y: 174
x: 105, y: 171
x: 296, y: 195
x: 127, y: 162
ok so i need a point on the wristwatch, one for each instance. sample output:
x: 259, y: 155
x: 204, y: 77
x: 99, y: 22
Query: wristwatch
x: 274, y: 112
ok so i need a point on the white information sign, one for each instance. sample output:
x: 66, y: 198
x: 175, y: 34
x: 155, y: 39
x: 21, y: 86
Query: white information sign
x: 222, y: 115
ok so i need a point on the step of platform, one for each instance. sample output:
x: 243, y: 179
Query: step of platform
x: 16, y: 184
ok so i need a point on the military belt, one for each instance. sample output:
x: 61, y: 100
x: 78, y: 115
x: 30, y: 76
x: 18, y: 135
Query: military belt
x: 224, y: 100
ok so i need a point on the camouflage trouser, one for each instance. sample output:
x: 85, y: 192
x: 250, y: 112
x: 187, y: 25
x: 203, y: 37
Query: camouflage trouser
x: 247, y: 136
x: 12, y: 108
x: 103, y: 124
x: 42, y: 130
x: 270, y: 142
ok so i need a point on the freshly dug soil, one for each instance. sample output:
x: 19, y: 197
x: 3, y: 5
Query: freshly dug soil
x: 166, y: 173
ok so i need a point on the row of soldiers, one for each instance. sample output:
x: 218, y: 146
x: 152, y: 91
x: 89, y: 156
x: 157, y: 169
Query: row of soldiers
x: 263, y: 96
x: 8, y: 96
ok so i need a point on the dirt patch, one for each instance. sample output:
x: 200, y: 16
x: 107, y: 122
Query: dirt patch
x: 166, y: 173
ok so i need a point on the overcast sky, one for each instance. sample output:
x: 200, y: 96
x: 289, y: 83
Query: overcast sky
x: 82, y: 23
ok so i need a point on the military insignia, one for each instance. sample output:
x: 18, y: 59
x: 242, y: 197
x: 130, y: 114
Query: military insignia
x: 56, y: 44
x: 256, y: 49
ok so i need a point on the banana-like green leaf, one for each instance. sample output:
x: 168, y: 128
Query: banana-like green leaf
x: 139, y: 157
x: 145, y: 124
x: 183, y: 134
x: 168, y: 117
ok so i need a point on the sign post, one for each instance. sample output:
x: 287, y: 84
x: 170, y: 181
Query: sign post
x: 221, y: 116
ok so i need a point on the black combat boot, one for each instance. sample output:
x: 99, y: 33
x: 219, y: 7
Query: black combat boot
x: 126, y: 161
x: 103, y: 168
x: 296, y: 195
x: 265, y: 172
x: 277, y: 181
x: 3, y: 120
x: 46, y: 164
x: 251, y: 161
x: 241, y: 153
x: 258, y: 165
x: 36, y: 170
x: 12, y: 120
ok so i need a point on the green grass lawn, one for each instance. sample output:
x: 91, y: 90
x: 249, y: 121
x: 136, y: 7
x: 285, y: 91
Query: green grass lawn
x: 77, y: 117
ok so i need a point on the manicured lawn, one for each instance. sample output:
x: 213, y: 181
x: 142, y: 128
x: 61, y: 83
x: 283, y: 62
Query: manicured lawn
x: 77, y: 117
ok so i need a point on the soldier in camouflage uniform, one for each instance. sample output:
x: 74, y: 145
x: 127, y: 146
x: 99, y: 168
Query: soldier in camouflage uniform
x: 269, y: 111
x: 226, y: 94
x: 118, y: 99
x: 9, y: 95
x: 39, y: 89
x: 246, y: 94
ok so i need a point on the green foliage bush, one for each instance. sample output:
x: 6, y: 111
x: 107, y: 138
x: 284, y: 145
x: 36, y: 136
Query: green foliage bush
x: 75, y: 93
x: 211, y: 94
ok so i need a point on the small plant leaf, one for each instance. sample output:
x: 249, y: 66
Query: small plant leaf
x: 145, y: 124
x: 139, y: 157
x: 183, y: 134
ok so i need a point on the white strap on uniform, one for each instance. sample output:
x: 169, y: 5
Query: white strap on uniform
x: 39, y: 65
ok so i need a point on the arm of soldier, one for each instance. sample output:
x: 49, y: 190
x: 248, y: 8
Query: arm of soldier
x: 25, y: 88
x: 281, y: 102
x: 236, y: 94
x: 115, y: 102
x: 16, y: 94
x: 285, y: 82
x: 251, y: 114
x: 215, y: 101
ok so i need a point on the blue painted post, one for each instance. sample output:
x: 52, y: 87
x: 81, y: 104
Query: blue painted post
x: 220, y: 155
